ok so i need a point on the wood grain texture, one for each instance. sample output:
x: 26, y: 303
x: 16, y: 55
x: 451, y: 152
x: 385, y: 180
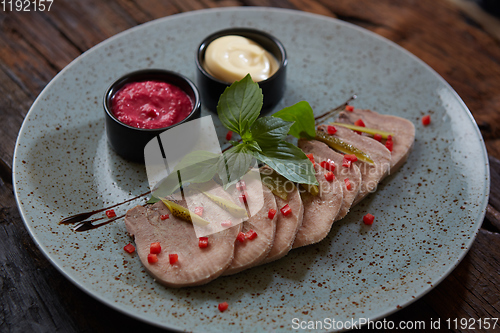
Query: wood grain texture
x: 34, y: 47
x: 35, y: 297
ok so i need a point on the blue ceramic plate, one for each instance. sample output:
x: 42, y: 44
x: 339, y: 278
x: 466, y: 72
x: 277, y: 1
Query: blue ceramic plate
x: 427, y: 214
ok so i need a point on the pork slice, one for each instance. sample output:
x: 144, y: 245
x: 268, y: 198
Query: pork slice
x: 371, y: 175
x: 322, y: 152
x: 320, y: 211
x: 195, y: 265
x: 286, y: 226
x: 403, y: 129
x: 253, y: 251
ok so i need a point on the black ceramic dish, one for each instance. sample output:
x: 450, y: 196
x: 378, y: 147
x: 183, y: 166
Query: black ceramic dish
x: 273, y: 88
x: 128, y: 141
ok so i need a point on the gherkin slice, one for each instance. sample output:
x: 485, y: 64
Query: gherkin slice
x: 312, y: 189
x: 183, y: 213
x: 342, y: 146
x: 371, y: 131
x: 276, y: 183
x: 227, y: 205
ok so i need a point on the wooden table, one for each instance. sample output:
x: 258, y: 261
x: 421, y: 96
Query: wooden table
x: 35, y: 46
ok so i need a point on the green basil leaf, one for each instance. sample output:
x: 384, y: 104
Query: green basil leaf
x: 303, y: 117
x: 268, y: 131
x: 195, y: 167
x: 247, y: 136
x: 289, y: 161
x: 152, y: 200
x: 235, y: 163
x: 198, y: 158
x: 254, y: 145
x: 239, y: 105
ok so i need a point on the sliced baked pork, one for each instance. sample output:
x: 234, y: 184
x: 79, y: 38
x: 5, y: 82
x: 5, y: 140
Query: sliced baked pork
x: 321, y: 210
x: 286, y: 226
x: 322, y: 152
x: 403, y: 129
x: 195, y: 265
x: 251, y: 252
x: 371, y: 174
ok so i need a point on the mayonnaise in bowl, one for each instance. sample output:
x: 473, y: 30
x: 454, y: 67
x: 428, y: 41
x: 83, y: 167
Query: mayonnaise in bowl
x: 228, y: 55
x: 231, y: 58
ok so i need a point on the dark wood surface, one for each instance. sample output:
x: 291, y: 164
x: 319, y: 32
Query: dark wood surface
x: 35, y: 46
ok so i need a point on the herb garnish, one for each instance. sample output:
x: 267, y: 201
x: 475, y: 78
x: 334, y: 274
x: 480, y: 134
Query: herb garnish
x: 262, y: 138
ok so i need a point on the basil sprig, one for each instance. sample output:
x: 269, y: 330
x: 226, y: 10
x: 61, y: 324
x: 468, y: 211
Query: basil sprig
x: 264, y: 138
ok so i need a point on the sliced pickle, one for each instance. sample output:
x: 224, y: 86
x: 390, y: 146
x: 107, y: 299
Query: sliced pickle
x: 342, y: 146
x: 227, y: 205
x: 312, y: 189
x: 371, y: 131
x: 276, y: 183
x: 183, y: 213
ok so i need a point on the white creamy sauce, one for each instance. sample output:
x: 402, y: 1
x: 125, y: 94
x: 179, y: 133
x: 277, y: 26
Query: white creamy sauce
x: 231, y: 58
